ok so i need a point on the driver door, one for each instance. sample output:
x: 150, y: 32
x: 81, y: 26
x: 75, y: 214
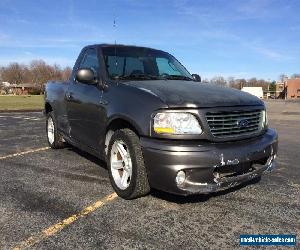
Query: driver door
x: 83, y: 100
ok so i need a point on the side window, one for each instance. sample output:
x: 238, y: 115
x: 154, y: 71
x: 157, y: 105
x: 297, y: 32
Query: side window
x: 166, y: 67
x: 90, y: 60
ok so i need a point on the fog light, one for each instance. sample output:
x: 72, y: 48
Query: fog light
x: 180, y: 177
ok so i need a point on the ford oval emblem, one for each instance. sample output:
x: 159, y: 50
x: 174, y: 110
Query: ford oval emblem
x: 243, y: 123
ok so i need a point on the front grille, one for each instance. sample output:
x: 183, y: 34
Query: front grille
x: 234, y: 123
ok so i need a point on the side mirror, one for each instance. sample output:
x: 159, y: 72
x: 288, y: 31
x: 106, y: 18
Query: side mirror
x: 86, y: 76
x: 196, y: 78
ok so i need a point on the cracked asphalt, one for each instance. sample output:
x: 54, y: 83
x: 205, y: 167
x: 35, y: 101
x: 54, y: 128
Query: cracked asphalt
x: 40, y: 189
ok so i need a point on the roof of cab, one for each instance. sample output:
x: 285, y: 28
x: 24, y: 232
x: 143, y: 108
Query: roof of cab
x: 103, y: 45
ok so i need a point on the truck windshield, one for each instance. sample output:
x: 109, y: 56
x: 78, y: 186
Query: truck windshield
x: 136, y: 63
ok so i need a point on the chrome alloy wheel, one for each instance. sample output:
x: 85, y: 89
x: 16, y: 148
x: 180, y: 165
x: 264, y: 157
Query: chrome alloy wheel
x: 50, y: 130
x: 121, y: 164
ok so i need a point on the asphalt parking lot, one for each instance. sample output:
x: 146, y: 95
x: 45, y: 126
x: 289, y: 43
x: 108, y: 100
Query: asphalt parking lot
x: 57, y: 199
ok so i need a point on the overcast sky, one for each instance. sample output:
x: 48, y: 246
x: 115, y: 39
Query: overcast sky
x: 231, y: 38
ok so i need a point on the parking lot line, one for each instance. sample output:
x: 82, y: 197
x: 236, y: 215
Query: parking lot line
x: 23, y: 117
x: 23, y: 153
x: 61, y: 225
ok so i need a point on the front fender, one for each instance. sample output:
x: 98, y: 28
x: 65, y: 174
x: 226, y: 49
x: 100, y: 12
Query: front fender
x: 132, y: 105
x: 127, y: 119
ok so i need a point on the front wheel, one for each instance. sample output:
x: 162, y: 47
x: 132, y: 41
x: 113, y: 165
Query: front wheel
x: 126, y: 166
x: 55, y: 140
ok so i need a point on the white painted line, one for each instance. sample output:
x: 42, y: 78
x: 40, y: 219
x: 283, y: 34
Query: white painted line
x: 23, y: 117
x: 23, y: 153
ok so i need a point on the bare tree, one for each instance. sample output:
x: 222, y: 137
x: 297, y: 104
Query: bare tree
x: 293, y: 76
x: 42, y: 72
x: 264, y: 84
x: 66, y: 73
x: 220, y: 80
x: 240, y: 83
x: 233, y: 83
x: 252, y: 82
x: 1, y: 72
x: 38, y: 73
x: 283, y: 77
x: 14, y: 73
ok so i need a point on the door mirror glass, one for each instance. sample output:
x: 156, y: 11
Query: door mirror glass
x: 86, y: 76
x: 196, y: 78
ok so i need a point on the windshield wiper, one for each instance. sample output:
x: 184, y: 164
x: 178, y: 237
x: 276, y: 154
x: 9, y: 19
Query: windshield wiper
x: 137, y: 77
x: 177, y: 77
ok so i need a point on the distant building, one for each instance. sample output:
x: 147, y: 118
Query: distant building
x: 280, y: 90
x: 256, y: 91
x: 21, y: 89
x: 293, y: 88
x: 5, y: 84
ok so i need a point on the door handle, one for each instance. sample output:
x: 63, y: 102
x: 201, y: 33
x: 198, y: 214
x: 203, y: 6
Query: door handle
x: 69, y: 96
x: 103, y: 102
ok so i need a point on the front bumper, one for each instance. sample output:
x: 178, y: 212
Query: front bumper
x: 208, y: 166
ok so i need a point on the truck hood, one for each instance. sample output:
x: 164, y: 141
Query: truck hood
x: 178, y: 94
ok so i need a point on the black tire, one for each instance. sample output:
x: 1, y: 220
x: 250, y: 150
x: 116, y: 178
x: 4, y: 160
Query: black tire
x: 58, y: 141
x: 139, y: 185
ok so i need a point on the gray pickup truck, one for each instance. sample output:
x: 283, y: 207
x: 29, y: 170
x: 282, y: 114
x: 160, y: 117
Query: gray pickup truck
x: 156, y: 125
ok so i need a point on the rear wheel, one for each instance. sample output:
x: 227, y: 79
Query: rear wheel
x: 126, y: 166
x: 55, y: 140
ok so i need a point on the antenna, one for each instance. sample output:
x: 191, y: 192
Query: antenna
x: 115, y: 29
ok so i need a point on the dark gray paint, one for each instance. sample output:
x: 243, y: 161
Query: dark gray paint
x: 180, y: 94
x: 200, y: 158
x: 85, y: 112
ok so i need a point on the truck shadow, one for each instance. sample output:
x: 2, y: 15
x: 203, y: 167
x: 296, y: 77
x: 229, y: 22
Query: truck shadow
x: 87, y: 156
x: 197, y: 198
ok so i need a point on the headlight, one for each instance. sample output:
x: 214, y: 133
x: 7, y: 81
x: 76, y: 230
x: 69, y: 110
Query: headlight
x: 176, y: 123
